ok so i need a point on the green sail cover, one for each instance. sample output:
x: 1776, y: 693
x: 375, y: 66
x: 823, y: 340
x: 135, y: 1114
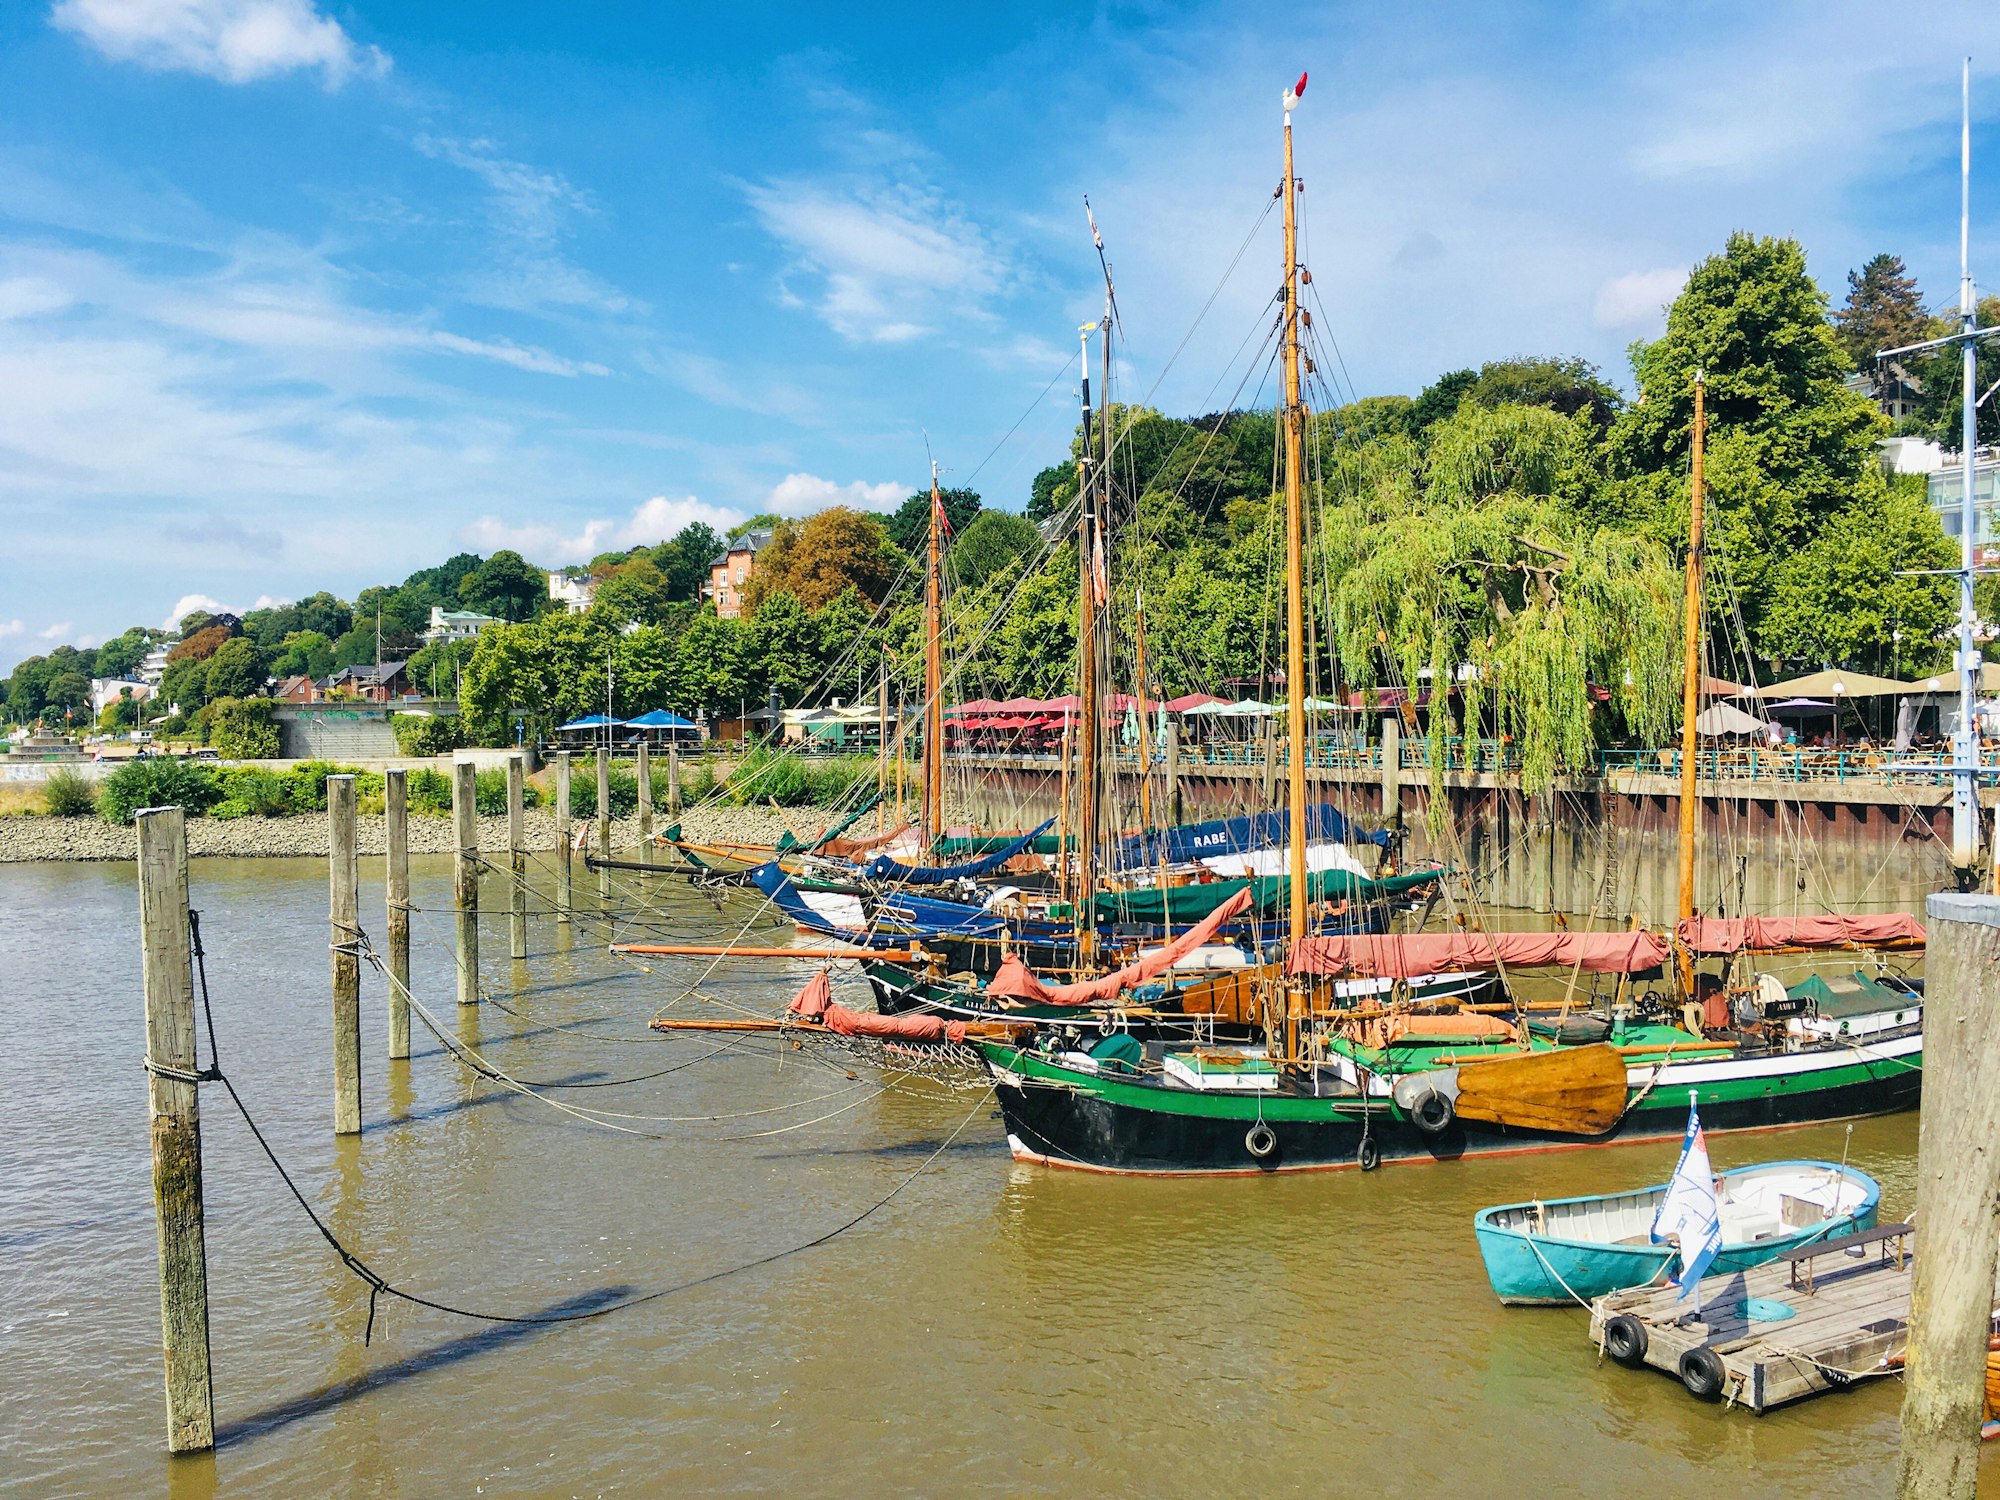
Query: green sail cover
x: 1190, y: 903
x: 788, y: 845
x: 952, y: 850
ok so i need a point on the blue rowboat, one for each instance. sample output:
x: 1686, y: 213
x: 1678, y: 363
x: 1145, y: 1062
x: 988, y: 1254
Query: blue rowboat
x: 1570, y: 1250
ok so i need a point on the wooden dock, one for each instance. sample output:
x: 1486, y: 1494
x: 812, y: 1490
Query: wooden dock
x: 1836, y: 1313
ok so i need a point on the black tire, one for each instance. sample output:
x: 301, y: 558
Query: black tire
x: 1432, y: 1114
x: 1702, y: 1374
x: 1261, y: 1141
x: 1368, y: 1155
x: 1625, y: 1340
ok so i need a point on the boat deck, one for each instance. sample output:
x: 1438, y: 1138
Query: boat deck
x: 1802, y: 1324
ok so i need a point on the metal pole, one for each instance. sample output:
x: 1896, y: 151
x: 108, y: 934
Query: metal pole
x: 176, y: 1128
x: 1958, y: 1186
x: 603, y: 820
x: 565, y: 856
x: 517, y: 856
x: 1691, y: 690
x: 344, y: 933
x: 1965, y: 744
x: 396, y: 806
x: 465, y: 825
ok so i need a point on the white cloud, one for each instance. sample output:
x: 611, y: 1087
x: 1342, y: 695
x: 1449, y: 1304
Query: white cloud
x: 11, y: 628
x: 30, y: 297
x: 236, y: 41
x: 189, y: 603
x: 538, y: 361
x: 889, y: 260
x: 652, y: 522
x: 802, y: 494
x: 1638, y: 298
x: 54, y: 632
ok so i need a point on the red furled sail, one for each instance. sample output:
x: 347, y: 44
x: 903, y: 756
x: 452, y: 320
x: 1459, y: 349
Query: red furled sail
x: 1014, y: 981
x: 816, y: 1003
x: 1734, y: 934
x: 1400, y: 957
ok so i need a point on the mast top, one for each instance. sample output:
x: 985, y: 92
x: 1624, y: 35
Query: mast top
x: 1292, y: 96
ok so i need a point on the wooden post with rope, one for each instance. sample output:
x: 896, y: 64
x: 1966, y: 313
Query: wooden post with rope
x: 565, y: 855
x: 603, y: 822
x: 1173, y: 773
x: 465, y: 871
x: 517, y: 856
x: 643, y: 774
x: 1958, y: 1203
x: 344, y: 934
x: 673, y: 781
x: 396, y: 814
x: 176, y: 1127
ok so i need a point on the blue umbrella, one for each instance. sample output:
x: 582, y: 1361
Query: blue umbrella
x: 659, y: 718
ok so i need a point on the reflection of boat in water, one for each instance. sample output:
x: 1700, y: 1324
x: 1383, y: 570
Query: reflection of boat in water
x: 1572, y: 1249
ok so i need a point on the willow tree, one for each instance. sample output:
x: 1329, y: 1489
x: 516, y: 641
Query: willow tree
x: 1477, y: 566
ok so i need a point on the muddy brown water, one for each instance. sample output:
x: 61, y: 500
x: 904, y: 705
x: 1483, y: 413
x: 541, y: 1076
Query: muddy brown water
x: 994, y: 1328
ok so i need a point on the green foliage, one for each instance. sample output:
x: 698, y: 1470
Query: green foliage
x: 767, y: 776
x: 69, y: 794
x: 429, y: 791
x: 268, y: 794
x: 303, y: 653
x: 636, y: 590
x: 157, y: 783
x: 624, y: 788
x: 505, y: 586
x: 427, y: 734
x: 228, y: 808
x: 489, y: 793
x: 1883, y: 311
x: 241, y: 728
x: 996, y: 542
x: 1440, y: 399
x: 910, y: 527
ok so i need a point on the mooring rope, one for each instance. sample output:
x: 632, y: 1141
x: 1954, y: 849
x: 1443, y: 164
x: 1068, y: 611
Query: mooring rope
x: 380, y: 1286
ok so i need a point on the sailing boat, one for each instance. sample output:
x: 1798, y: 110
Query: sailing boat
x: 1337, y: 1086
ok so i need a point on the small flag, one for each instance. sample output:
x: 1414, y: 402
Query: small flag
x: 1293, y: 94
x: 1096, y: 238
x: 1689, y: 1214
x: 1099, y: 578
x: 938, y: 513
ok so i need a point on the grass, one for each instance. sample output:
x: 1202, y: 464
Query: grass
x: 20, y: 800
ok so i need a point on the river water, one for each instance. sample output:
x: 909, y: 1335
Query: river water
x: 992, y: 1328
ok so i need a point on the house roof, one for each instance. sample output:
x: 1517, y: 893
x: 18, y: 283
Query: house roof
x: 749, y: 542
x: 366, y: 672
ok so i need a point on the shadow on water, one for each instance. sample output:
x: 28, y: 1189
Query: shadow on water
x: 494, y: 1041
x: 456, y: 1106
x: 892, y: 1151
x: 439, y: 1356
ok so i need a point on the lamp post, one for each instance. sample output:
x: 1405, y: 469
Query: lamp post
x: 1839, y: 687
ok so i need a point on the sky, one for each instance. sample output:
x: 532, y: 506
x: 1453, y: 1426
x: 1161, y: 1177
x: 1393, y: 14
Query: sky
x: 297, y: 294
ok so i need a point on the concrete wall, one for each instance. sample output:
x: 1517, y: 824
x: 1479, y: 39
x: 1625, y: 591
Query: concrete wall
x: 346, y: 733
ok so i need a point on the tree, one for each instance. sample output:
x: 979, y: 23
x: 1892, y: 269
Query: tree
x: 505, y: 586
x: 120, y: 656
x: 685, y: 559
x: 910, y: 527
x: 817, y: 561
x: 68, y: 690
x: 185, y: 683
x: 240, y: 728
x: 1565, y: 385
x: 636, y: 590
x: 200, y: 646
x: 1051, y: 490
x: 1440, y: 398
x: 1883, y: 311
x: 995, y: 542
x: 303, y: 653
x: 236, y: 670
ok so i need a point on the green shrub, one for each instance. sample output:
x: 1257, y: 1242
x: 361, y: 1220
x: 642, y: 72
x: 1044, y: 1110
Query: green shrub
x: 765, y: 778
x: 306, y: 784
x: 268, y: 794
x: 427, y: 734
x: 241, y: 728
x: 430, y: 792
x: 69, y: 794
x: 624, y: 793
x: 157, y: 783
x: 700, y: 786
x: 490, y: 793
x: 230, y: 807
x: 835, y: 782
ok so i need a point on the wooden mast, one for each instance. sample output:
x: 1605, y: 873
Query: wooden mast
x: 1088, y: 690
x: 1295, y: 621
x: 1691, y: 689
x: 933, y: 681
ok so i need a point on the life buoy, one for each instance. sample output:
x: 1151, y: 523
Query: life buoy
x: 1368, y: 1155
x: 1261, y: 1141
x: 1625, y: 1340
x: 1432, y: 1113
x: 1702, y: 1373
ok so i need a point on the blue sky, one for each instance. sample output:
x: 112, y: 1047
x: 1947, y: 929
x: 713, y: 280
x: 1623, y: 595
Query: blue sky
x: 299, y: 294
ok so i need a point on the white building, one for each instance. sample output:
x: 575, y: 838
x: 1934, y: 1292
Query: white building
x: 105, y: 691
x: 153, y: 665
x: 1947, y: 490
x: 457, y: 624
x: 573, y: 591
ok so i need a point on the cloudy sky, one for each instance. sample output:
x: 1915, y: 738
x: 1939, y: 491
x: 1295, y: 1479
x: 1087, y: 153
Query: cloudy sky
x: 298, y: 294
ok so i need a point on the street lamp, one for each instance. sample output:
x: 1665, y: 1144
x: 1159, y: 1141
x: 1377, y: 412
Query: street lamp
x: 1839, y: 687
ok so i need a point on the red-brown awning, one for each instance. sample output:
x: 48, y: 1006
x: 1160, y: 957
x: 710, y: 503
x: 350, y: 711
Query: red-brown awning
x: 1400, y: 957
x: 1734, y: 934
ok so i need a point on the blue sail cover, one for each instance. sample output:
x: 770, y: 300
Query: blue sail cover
x: 1265, y: 830
x: 886, y: 869
x: 900, y: 918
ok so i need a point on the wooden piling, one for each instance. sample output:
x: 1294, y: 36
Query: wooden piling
x: 396, y: 815
x: 674, y: 782
x: 1958, y: 1202
x: 643, y: 772
x: 565, y: 855
x: 176, y: 1127
x: 517, y: 857
x: 465, y: 881
x: 1173, y: 772
x: 344, y: 931
x: 603, y: 821
x: 1392, y: 772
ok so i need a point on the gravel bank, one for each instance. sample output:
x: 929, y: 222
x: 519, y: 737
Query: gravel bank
x: 24, y: 839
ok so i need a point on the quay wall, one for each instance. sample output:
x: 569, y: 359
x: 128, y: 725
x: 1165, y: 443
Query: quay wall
x: 1604, y: 846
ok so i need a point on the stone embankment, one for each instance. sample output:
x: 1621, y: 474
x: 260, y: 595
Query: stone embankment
x: 25, y: 839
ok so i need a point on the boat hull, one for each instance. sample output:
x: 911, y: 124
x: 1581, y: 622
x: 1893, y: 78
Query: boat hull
x: 1066, y: 1117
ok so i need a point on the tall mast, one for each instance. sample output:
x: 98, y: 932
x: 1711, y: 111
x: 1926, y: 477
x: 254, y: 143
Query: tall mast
x: 1691, y: 685
x: 1088, y: 543
x: 933, y: 680
x: 1295, y: 611
x: 1965, y: 744
x: 1139, y: 711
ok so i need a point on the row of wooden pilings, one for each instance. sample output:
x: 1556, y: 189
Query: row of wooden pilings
x: 168, y: 954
